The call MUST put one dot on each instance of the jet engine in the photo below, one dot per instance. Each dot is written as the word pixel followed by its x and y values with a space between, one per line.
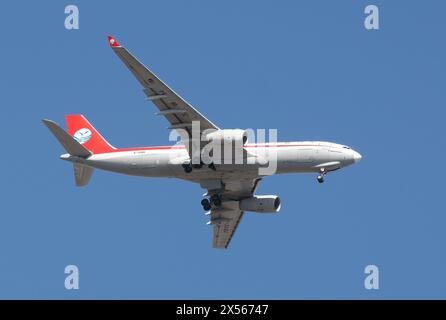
pixel 261 204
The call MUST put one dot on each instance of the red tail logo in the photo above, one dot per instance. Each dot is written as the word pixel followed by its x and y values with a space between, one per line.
pixel 84 133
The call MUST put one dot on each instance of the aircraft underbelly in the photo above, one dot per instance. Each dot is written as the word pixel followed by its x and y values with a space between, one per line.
pixel 150 165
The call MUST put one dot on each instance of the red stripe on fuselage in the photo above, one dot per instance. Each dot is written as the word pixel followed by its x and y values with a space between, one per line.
pixel 247 146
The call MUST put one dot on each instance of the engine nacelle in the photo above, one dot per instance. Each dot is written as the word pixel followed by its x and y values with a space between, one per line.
pixel 261 204
pixel 236 136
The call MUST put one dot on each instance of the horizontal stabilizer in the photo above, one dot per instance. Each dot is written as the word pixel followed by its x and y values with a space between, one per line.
pixel 68 142
pixel 82 174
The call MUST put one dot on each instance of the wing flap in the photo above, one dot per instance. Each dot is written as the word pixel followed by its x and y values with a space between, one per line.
pixel 225 223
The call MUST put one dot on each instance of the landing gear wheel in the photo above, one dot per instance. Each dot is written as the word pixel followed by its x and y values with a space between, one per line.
pixel 187 167
pixel 216 200
pixel 206 204
pixel 320 177
pixel 197 165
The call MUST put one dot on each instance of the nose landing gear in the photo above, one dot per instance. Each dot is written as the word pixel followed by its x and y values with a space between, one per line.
pixel 320 177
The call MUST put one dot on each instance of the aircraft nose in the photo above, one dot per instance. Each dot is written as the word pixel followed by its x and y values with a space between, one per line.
pixel 356 156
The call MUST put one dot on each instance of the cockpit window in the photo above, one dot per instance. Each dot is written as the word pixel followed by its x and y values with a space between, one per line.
pixel 345 147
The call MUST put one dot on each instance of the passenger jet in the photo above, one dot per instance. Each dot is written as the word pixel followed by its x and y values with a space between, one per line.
pixel 230 185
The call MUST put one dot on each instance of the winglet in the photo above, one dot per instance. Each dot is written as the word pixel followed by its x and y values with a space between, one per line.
pixel 112 41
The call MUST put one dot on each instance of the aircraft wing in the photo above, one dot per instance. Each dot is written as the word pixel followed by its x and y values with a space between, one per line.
pixel 226 218
pixel 175 109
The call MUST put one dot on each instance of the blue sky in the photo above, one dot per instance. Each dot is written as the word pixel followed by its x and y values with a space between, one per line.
pixel 307 68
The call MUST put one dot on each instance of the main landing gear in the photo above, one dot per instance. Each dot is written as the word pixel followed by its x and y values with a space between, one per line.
pixel 320 177
pixel 207 203
pixel 189 167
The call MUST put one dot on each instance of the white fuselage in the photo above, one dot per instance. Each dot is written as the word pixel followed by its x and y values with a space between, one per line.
pixel 282 157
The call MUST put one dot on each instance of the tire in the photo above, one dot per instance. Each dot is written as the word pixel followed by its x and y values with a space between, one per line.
pixel 197 166
pixel 187 168
pixel 206 204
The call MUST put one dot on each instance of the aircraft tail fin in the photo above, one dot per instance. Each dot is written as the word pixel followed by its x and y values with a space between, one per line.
pixel 82 130
pixel 72 146
pixel 82 174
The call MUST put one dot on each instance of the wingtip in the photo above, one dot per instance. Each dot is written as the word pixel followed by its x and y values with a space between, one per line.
pixel 49 123
pixel 113 42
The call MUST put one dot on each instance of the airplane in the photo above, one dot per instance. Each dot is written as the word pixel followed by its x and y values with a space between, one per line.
pixel 230 186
